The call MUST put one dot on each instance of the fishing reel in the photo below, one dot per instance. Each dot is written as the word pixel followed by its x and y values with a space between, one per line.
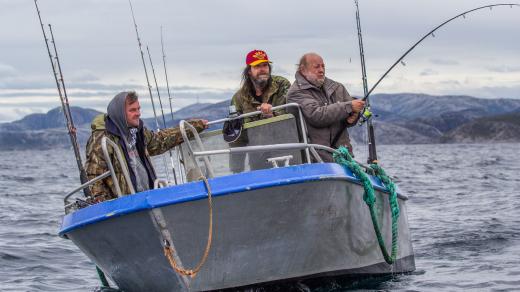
pixel 365 116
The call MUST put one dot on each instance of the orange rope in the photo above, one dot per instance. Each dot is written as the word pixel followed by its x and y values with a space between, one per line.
pixel 168 252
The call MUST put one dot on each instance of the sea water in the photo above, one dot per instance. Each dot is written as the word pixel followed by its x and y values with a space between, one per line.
pixel 464 215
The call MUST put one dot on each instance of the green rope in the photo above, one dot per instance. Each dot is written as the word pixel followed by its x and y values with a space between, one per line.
pixel 344 158
pixel 102 277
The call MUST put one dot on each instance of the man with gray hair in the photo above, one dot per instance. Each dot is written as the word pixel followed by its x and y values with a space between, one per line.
pixel 327 107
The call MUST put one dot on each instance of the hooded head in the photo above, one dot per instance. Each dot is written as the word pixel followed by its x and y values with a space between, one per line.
pixel 117 112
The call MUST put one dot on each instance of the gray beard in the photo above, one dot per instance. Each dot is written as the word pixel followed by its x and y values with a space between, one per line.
pixel 260 83
pixel 317 83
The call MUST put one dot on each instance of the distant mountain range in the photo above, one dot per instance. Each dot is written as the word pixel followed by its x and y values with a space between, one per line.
pixel 401 119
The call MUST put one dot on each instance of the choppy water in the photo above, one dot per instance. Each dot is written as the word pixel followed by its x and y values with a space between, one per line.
pixel 464 213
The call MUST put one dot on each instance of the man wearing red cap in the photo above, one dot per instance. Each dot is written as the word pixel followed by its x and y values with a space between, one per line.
pixel 260 90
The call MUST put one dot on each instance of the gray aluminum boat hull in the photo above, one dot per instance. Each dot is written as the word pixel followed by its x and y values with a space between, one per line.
pixel 308 229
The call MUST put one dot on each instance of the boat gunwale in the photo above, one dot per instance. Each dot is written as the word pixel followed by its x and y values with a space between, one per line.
pixel 223 185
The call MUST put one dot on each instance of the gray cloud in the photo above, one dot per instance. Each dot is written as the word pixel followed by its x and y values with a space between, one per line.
pixel 446 62
pixel 205 48
pixel 428 72
pixel 84 76
pixel 450 82
pixel 6 71
pixel 504 69
pixel 502 91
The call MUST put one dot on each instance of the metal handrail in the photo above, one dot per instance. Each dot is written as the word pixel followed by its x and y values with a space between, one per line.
pixel 182 125
pixel 81 187
pixel 160 183
pixel 260 148
pixel 287 105
pixel 121 161
pixel 207 163
pixel 284 146
pixel 105 141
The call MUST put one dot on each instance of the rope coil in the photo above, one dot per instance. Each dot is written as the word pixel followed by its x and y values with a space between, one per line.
pixel 168 251
pixel 343 157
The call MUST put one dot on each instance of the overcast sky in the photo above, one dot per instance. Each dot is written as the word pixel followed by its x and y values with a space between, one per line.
pixel 207 40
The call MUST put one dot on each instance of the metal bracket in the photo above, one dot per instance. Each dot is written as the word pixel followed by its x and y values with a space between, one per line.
pixel 285 159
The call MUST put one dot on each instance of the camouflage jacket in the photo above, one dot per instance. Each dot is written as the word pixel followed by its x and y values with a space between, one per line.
pixel 244 102
pixel 149 142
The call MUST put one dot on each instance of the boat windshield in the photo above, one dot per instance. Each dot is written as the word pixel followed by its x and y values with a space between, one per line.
pixel 223 160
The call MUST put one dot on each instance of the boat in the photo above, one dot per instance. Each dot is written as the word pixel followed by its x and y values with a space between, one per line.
pixel 284 217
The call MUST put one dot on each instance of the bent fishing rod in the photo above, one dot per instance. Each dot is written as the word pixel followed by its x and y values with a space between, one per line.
pixel 431 33
pixel 62 92
pixel 366 113
pixel 147 80
pixel 162 111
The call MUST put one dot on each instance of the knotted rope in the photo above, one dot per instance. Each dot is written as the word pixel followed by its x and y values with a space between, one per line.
pixel 344 158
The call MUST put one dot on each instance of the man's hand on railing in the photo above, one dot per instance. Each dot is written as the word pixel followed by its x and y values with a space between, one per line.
pixel 266 109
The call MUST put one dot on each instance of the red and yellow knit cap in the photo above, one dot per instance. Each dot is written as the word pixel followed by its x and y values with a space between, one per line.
pixel 256 57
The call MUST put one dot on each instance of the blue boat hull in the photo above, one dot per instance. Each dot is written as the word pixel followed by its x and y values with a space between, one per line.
pixel 270 225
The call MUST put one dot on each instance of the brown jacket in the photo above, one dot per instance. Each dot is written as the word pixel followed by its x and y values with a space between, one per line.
pixel 325 111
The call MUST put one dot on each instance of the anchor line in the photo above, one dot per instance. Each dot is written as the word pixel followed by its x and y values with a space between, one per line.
pixel 170 98
pixel 147 79
pixel 62 92
pixel 430 33
pixel 162 112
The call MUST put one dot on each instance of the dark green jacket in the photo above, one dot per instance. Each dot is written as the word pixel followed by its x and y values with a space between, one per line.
pixel 275 95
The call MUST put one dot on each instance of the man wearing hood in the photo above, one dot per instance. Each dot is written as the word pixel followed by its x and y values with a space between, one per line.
pixel 326 105
pixel 122 125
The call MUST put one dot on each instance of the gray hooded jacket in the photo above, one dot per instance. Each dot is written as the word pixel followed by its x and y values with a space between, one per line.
pixel 117 114
pixel 325 110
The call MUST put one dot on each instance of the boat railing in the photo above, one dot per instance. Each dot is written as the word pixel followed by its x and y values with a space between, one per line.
pixel 105 143
pixel 309 150
pixel 69 206
pixel 204 155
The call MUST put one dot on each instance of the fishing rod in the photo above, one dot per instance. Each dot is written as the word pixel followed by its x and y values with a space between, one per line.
pixel 372 153
pixel 170 99
pixel 463 14
pixel 144 66
pixel 147 79
pixel 156 86
pixel 162 112
pixel 62 92
pixel 166 74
